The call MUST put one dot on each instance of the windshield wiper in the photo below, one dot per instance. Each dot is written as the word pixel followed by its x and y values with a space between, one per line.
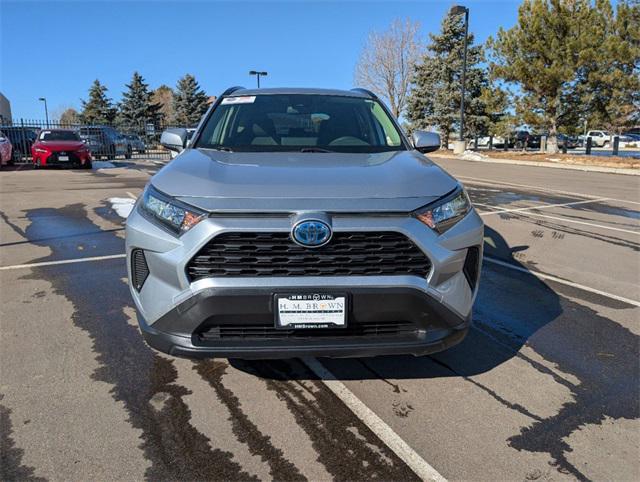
pixel 314 149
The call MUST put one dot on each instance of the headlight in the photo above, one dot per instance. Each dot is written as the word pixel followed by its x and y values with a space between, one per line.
pixel 40 151
pixel 170 213
pixel 445 212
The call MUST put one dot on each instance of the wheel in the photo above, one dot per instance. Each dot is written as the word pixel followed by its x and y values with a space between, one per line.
pixel 38 164
pixel 87 165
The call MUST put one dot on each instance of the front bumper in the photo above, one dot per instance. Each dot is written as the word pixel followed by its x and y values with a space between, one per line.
pixel 186 318
pixel 186 330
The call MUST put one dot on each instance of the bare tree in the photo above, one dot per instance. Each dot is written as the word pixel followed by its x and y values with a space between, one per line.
pixel 387 60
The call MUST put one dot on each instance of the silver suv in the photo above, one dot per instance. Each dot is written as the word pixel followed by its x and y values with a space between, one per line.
pixel 302 222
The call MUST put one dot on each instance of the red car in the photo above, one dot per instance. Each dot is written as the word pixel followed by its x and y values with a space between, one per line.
pixel 60 147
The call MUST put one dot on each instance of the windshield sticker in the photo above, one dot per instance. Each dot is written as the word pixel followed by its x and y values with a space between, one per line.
pixel 246 99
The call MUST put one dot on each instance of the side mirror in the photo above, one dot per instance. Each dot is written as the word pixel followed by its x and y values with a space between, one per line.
pixel 426 141
pixel 174 139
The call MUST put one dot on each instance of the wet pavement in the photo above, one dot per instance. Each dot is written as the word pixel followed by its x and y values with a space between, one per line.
pixel 545 386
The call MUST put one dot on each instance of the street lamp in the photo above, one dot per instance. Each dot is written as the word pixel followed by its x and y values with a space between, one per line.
pixel 257 74
pixel 459 10
pixel 46 111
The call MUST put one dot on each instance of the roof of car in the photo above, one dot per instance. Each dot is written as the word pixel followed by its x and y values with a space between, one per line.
pixel 300 90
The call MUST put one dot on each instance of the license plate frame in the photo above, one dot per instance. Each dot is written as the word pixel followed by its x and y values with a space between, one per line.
pixel 63 158
pixel 322 318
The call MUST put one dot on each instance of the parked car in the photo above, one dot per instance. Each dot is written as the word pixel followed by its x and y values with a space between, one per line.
pixel 105 141
pixel 486 140
pixel 599 138
pixel 60 147
pixel 333 235
pixel 136 144
pixel 21 139
pixel 526 140
pixel 6 149
pixel 570 141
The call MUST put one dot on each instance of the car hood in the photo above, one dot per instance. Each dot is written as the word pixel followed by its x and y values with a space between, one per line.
pixel 60 145
pixel 399 181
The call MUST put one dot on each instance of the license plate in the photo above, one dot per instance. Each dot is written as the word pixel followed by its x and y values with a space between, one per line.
pixel 63 158
pixel 316 310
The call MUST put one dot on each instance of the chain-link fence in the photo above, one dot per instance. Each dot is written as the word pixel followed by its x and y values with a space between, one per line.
pixel 107 142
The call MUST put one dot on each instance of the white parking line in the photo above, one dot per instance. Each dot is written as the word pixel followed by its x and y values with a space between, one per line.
pixel 493 182
pixel 385 433
pixel 560 280
pixel 64 261
pixel 498 210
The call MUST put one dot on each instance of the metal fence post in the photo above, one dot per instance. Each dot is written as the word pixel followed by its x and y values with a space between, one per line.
pixel 491 142
pixel 616 145
pixel 587 149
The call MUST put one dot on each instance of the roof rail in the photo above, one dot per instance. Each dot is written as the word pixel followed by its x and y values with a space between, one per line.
pixel 365 91
pixel 231 90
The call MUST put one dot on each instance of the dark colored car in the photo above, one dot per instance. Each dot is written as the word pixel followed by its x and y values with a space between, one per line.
pixel 526 140
pixel 136 144
pixel 570 142
pixel 60 147
pixel 105 141
pixel 21 138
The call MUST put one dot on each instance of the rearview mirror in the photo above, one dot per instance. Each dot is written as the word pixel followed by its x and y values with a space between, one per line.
pixel 174 139
pixel 426 141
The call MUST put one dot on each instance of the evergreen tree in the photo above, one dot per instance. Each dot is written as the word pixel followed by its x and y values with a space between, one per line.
pixel 137 107
pixel 435 96
pixel 541 55
pixel 608 77
pixel 189 101
pixel 99 108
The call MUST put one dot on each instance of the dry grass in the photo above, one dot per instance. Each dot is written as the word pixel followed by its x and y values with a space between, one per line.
pixel 559 158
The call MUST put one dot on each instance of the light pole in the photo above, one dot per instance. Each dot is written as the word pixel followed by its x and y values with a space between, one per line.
pixel 257 74
pixel 458 10
pixel 46 111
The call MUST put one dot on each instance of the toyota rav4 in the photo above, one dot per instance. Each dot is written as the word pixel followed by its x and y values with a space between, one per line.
pixel 302 222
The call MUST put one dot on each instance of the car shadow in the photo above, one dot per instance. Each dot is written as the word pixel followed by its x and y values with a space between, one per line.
pixel 502 324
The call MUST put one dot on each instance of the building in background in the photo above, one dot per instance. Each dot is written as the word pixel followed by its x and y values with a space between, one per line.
pixel 5 110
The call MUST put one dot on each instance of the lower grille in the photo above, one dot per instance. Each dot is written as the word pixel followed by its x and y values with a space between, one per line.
pixel 268 331
pixel 471 268
pixel 139 269
pixel 275 254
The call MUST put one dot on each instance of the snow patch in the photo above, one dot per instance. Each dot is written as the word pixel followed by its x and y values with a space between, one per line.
pixel 122 205
pixel 472 156
pixel 102 165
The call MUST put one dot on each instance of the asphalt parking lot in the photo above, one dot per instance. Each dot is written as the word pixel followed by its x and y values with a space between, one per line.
pixel 545 387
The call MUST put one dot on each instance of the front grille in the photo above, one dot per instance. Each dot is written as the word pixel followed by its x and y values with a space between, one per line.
pixel 73 158
pixel 264 331
pixel 275 254
pixel 139 268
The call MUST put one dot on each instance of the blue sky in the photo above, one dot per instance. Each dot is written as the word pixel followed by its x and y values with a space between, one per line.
pixel 56 49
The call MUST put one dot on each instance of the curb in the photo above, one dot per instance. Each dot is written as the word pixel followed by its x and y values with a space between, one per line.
pixel 572 167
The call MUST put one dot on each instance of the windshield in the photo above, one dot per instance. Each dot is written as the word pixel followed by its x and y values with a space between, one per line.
pixel 300 122
pixel 59 136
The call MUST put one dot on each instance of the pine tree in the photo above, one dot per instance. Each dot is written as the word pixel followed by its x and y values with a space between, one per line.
pixel 137 107
pixel 189 102
pixel 99 108
pixel 435 95
pixel 541 56
pixel 608 78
